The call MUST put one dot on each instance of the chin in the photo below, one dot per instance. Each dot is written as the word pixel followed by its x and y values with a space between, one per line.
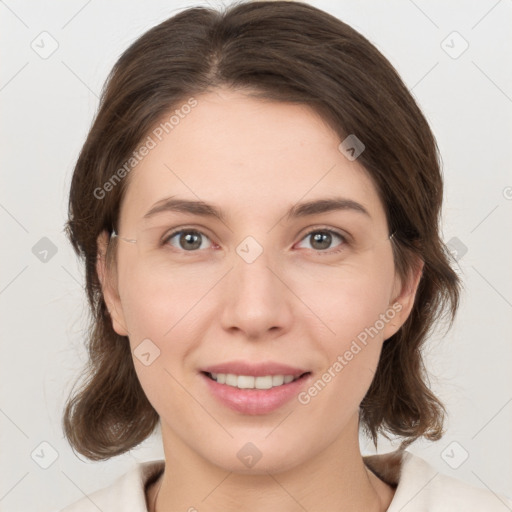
pixel 257 458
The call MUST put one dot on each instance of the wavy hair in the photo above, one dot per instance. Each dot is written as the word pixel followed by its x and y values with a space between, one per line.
pixel 282 51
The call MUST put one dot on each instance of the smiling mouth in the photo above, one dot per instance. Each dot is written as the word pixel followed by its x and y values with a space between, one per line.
pixel 253 382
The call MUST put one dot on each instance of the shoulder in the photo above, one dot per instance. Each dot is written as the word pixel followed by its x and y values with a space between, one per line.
pixel 420 487
pixel 127 492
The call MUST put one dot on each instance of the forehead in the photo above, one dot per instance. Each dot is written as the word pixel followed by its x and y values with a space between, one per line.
pixel 252 157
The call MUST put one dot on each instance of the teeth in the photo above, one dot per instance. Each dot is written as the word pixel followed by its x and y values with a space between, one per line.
pixel 251 382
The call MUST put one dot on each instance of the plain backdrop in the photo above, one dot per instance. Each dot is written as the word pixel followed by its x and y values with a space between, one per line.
pixel 455 58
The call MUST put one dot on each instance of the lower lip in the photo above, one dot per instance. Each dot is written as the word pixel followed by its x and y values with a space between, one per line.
pixel 255 401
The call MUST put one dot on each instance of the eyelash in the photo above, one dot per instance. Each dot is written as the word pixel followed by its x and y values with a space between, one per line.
pixel 343 238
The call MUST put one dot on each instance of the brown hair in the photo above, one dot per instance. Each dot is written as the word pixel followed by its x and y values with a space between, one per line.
pixel 283 51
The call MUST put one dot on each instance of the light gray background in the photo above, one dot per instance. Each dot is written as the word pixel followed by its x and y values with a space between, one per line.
pixel 47 107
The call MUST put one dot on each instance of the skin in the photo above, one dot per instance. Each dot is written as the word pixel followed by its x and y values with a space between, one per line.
pixel 255 159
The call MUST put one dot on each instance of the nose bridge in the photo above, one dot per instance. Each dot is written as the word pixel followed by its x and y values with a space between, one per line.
pixel 257 299
pixel 252 268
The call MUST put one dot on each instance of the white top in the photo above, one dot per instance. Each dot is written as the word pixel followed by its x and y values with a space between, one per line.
pixel 419 488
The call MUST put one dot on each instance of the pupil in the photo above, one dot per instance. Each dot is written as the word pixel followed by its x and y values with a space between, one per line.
pixel 325 237
pixel 189 238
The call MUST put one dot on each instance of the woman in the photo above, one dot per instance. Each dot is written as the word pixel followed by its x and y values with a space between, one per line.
pixel 258 206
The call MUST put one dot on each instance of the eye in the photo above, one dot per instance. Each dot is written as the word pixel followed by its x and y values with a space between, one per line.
pixel 321 239
pixel 189 240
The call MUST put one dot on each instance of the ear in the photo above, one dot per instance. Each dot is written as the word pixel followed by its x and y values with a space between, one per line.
pixel 403 297
pixel 109 286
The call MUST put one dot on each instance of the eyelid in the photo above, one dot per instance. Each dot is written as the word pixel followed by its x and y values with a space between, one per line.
pixel 337 231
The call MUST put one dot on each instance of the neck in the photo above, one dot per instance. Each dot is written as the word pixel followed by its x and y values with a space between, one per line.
pixel 334 480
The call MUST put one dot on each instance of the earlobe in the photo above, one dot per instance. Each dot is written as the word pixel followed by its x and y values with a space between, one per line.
pixel 108 286
pixel 403 302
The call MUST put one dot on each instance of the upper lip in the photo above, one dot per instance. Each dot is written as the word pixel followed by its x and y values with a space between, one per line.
pixel 255 369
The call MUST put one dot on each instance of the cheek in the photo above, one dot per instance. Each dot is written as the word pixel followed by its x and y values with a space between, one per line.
pixel 354 309
pixel 158 321
pixel 162 316
pixel 349 298
pixel 157 303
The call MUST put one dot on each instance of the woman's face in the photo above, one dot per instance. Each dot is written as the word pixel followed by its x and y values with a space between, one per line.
pixel 313 290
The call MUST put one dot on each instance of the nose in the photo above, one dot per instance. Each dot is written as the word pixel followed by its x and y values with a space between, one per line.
pixel 258 302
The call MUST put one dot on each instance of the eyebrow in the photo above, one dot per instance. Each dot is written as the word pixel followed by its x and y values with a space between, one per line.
pixel 299 210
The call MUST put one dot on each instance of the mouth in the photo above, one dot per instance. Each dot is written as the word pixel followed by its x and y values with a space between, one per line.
pixel 253 382
pixel 254 395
